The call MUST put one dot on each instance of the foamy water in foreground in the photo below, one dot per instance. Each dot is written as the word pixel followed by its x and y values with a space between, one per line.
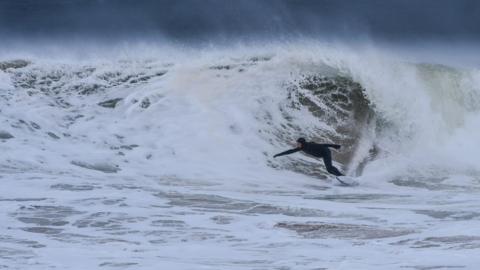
pixel 164 161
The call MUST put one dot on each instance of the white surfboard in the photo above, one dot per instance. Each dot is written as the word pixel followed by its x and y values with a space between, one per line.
pixel 347 181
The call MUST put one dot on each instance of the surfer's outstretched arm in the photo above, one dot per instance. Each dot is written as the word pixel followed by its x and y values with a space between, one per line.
pixel 291 151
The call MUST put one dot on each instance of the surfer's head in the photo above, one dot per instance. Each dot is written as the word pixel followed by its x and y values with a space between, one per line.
pixel 301 142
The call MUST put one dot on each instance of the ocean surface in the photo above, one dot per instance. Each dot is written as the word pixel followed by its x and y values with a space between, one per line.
pixel 160 157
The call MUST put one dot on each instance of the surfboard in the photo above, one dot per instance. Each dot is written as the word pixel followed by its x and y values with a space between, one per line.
pixel 347 181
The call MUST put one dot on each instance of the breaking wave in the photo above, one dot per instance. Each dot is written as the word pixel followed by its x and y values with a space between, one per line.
pixel 226 113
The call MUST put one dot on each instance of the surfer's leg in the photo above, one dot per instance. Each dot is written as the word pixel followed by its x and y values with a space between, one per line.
pixel 327 159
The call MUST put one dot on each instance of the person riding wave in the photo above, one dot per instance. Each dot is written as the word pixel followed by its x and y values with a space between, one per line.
pixel 316 150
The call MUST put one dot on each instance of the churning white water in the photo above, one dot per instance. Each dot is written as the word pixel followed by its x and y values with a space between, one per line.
pixel 162 159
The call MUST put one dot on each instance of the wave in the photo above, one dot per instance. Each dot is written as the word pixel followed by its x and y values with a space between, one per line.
pixel 226 112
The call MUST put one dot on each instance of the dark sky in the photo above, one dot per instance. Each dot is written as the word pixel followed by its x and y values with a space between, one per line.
pixel 207 20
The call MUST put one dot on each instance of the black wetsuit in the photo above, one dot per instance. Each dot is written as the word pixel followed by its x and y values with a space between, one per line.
pixel 317 150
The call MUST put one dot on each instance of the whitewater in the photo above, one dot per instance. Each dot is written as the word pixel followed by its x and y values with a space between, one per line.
pixel 150 157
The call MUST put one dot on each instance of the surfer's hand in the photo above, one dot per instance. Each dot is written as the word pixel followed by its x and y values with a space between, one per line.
pixel 337 146
pixel 274 156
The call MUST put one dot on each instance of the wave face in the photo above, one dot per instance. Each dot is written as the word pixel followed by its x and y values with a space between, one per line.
pixel 242 107
pixel 168 149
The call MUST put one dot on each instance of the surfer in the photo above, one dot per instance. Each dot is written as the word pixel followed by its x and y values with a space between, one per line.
pixel 316 150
